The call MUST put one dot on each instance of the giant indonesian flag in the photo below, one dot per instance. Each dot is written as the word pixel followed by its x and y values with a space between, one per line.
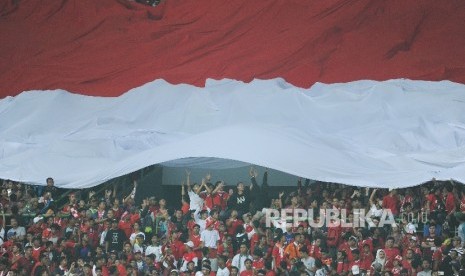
pixel 366 92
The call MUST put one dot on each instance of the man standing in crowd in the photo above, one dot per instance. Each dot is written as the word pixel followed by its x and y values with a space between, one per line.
pixel 114 238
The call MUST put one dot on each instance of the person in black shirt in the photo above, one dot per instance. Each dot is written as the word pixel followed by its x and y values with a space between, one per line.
pixel 240 200
pixel 115 238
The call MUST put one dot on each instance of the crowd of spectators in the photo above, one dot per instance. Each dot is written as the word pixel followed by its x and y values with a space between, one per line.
pixel 220 230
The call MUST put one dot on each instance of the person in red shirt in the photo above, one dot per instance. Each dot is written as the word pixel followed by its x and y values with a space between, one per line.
pixel 248 268
pixel 397 266
pixel 226 248
pixel 188 256
pixel 351 246
pixel 233 222
pixel 366 258
pixel 314 249
pixel 42 265
pixel 258 261
pixel 334 234
pixel 449 199
pixel 462 201
pixel 412 244
pixel 390 251
pixel 278 251
pixel 342 266
pixel 355 264
pixel 391 202
pixel 407 262
pixel 432 199
pixel 195 238
pixel 220 197
pixel 438 254
pixel 214 219
pixel 177 246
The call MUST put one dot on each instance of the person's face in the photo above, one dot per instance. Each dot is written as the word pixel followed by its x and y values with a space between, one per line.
pixel 352 242
pixel 50 182
pixel 243 249
pixel 191 266
pixel 196 230
pixel 294 200
pixel 425 265
pixel 127 247
pixel 28 251
pixel 154 239
pixel 14 223
pixel 248 265
pixel 351 217
pixel 162 202
pixel 409 254
pixel 382 255
pixel 178 214
pixel 101 205
pixel 45 260
pixel 234 271
pixel 110 214
pixel 389 243
pixel 432 230
pixel 136 226
pixel 240 187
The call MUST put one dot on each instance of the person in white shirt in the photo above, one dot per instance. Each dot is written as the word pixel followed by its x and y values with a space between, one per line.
pixel 239 259
pixel 210 237
pixel 426 265
pixel 154 249
pixel 136 232
pixel 308 261
pixel 222 269
pixel 201 219
pixel 196 202
pixel 204 272
pixel 16 232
